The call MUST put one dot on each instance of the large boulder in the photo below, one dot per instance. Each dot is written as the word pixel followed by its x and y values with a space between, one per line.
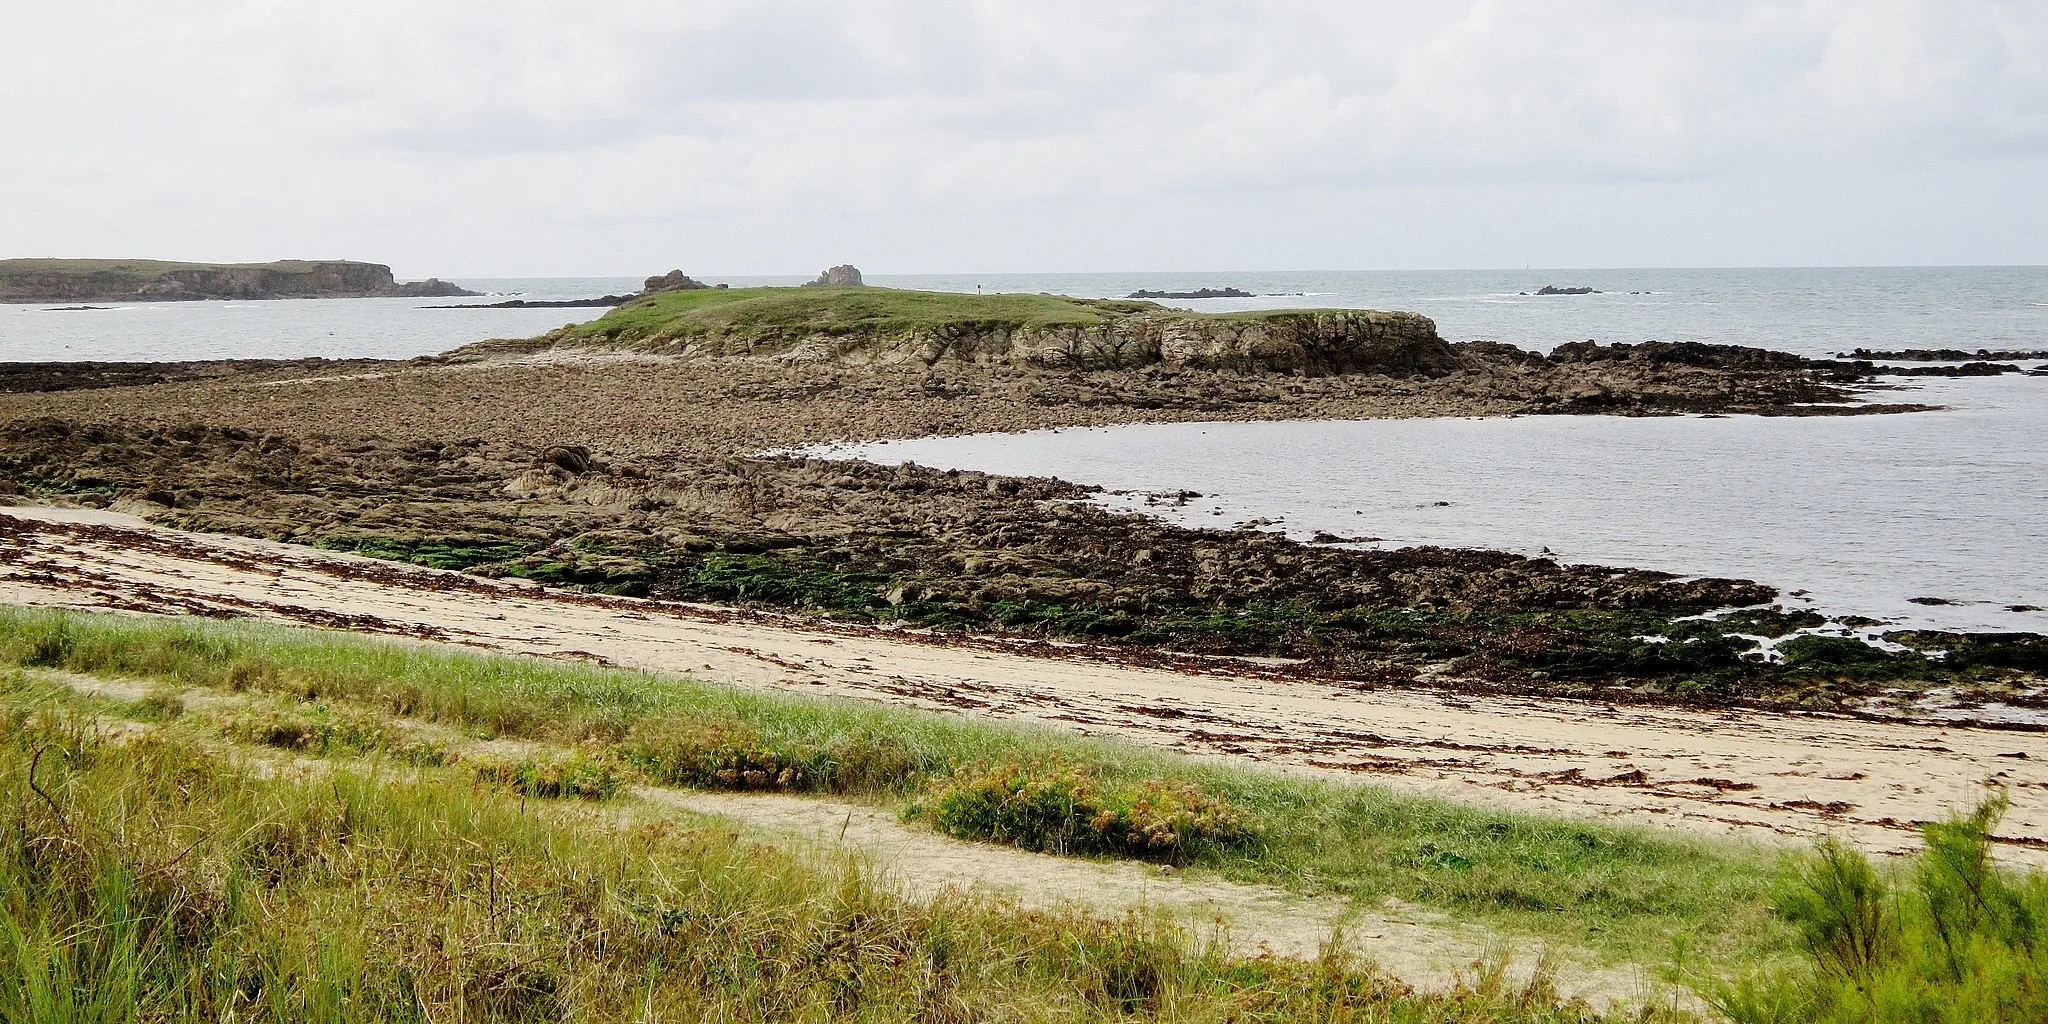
pixel 673 281
pixel 845 275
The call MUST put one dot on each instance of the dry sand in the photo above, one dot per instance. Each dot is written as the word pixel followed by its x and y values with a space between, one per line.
pixel 1739 772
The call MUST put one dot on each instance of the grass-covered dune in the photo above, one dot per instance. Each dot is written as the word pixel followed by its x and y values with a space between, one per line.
pixel 868 324
pixel 214 821
pixel 89 280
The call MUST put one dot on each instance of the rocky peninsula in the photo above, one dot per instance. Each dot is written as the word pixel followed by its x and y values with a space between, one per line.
pixel 65 280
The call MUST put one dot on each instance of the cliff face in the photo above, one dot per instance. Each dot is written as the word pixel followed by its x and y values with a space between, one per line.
pixel 1316 343
pixel 151 281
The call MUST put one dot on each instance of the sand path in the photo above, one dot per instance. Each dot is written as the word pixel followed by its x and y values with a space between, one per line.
pixel 1742 772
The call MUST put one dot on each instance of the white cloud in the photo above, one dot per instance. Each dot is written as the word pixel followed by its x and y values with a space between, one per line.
pixel 532 128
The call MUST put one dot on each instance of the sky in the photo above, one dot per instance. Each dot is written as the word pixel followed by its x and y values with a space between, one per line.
pixel 612 137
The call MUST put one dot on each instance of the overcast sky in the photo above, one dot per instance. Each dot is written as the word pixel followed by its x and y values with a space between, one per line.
pixel 516 138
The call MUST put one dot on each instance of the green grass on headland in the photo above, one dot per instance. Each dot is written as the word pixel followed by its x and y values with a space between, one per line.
pixel 766 314
pixel 750 312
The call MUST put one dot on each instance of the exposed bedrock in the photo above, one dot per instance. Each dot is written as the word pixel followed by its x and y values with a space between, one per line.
pixel 1314 344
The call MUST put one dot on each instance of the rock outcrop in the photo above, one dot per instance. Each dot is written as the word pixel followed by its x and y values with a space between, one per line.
pixel 1310 343
pixel 36 280
pixel 845 275
pixel 673 281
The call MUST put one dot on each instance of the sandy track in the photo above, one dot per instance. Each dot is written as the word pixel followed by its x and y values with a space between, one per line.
pixel 1742 772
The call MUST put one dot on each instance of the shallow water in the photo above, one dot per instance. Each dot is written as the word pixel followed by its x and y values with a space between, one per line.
pixel 1863 513
pixel 288 328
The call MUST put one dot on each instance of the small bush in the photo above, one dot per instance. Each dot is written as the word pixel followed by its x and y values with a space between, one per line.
pixel 1956 940
pixel 315 730
pixel 730 755
pixel 159 705
pixel 1059 808
pixel 580 774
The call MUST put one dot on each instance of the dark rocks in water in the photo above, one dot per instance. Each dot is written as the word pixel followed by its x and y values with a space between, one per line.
pixel 1199 293
pixel 673 281
pixel 1551 289
pixel 1683 353
pixel 845 275
pixel 73 309
pixel 1965 370
pixel 1326 537
pixel 431 288
pixel 1946 355
pixel 600 301
pixel 1930 601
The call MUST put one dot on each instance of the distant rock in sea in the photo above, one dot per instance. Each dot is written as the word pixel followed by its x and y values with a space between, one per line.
pixel 845 275
pixel 1199 293
pixel 1551 289
pixel 1944 355
pixel 87 280
pixel 673 281
pixel 602 301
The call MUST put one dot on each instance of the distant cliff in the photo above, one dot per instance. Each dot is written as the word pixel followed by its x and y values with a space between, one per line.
pixel 37 280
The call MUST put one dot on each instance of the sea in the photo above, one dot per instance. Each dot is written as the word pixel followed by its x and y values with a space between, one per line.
pixel 1936 519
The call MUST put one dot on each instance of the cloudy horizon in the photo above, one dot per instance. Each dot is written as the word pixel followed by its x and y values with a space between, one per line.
pixel 519 139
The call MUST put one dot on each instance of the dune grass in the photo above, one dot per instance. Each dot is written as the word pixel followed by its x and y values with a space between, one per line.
pixel 148 874
pixel 143 877
pixel 1629 893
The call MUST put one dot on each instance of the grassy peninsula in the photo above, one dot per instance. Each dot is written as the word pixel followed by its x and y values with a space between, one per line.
pixel 89 280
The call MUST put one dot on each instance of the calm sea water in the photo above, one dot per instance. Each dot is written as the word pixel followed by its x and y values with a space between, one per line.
pixel 289 328
pixel 1809 311
pixel 1862 513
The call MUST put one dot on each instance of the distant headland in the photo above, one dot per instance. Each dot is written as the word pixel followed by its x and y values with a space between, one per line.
pixel 59 280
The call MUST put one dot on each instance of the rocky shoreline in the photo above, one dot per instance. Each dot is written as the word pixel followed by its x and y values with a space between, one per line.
pixel 639 471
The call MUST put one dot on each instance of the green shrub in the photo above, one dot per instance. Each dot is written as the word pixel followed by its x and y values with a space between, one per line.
pixel 581 774
pixel 732 755
pixel 1059 808
pixel 1956 940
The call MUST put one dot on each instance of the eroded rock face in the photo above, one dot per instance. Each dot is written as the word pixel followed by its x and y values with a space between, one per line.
pixel 845 275
pixel 1310 343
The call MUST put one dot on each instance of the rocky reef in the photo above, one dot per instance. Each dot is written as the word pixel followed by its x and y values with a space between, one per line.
pixel 38 280
pixel 1199 293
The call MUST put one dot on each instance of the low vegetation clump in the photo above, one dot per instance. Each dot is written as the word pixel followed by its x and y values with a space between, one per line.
pixel 1061 808
pixel 733 755
pixel 578 774
pixel 315 729
pixel 1952 939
